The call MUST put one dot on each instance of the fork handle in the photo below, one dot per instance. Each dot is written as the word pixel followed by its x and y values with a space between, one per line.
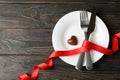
pixel 89 65
pixel 80 61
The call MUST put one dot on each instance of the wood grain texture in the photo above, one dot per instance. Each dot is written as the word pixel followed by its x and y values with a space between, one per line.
pixel 25 38
pixel 45 16
pixel 12 66
pixel 57 1
pixel 14 41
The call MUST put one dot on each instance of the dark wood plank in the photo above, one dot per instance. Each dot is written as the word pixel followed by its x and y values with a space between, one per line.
pixel 26 34
pixel 12 66
pixel 28 41
pixel 57 1
pixel 35 16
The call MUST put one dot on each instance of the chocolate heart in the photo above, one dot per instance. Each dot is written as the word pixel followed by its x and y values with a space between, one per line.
pixel 73 40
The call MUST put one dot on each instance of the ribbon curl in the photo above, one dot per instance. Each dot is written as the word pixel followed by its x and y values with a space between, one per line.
pixel 86 46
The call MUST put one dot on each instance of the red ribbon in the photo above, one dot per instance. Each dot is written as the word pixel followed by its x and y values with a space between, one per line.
pixel 87 46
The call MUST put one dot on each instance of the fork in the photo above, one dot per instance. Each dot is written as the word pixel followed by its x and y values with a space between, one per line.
pixel 84 24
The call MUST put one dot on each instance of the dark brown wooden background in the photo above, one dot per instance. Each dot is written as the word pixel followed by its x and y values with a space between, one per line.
pixel 25 38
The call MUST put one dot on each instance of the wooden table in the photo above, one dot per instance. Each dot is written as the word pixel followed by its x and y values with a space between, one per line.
pixel 25 38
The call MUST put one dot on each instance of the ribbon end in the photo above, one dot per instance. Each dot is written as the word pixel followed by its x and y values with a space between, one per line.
pixel 24 76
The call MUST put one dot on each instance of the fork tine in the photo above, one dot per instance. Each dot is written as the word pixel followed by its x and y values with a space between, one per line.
pixel 84 16
pixel 87 20
pixel 81 17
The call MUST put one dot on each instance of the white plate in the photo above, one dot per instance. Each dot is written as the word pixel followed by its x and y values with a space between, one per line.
pixel 69 25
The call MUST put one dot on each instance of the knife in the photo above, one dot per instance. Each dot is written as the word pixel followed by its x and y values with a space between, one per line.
pixel 91 28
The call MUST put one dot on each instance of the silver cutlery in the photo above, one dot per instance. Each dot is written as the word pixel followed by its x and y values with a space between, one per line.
pixel 90 25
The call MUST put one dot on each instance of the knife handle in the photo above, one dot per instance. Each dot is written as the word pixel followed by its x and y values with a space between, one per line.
pixel 89 65
pixel 80 61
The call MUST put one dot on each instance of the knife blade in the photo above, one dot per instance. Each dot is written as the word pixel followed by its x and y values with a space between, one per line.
pixel 91 28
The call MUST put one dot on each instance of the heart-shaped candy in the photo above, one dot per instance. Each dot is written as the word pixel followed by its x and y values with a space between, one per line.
pixel 73 40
